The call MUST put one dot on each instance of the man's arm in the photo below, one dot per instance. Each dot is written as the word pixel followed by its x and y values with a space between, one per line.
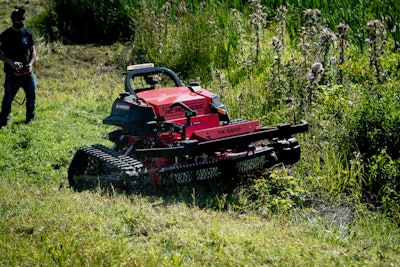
pixel 32 57
pixel 15 65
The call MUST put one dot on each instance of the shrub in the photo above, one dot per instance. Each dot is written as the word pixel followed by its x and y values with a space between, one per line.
pixel 374 131
pixel 374 125
pixel 278 193
pixel 100 21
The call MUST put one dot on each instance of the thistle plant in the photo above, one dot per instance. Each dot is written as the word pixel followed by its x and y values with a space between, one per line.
pixel 291 77
pixel 278 44
pixel 308 34
pixel 311 20
pixel 376 42
pixel 240 31
pixel 324 52
pixel 258 20
pixel 343 32
pixel 281 20
pixel 326 39
pixel 220 78
pixel 304 46
pixel 182 7
pixel 314 78
pixel 167 13
pixel 240 99
pixel 276 69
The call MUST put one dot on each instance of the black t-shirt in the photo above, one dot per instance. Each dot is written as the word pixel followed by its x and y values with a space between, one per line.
pixel 15 45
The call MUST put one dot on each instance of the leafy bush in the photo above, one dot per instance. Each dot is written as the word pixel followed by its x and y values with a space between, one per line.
pixel 374 124
pixel 373 130
pixel 382 189
pixel 280 192
pixel 100 21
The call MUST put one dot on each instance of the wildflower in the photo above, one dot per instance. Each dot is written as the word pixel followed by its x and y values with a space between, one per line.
pixel 343 29
pixel 327 35
pixel 167 7
pixel 317 68
pixel 312 15
pixel 218 73
pixel 282 10
pixel 182 7
pixel 311 77
pixel 276 44
pixel 377 25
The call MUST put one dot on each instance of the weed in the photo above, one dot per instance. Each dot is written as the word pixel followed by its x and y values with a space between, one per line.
pixel 343 32
pixel 376 31
pixel 258 22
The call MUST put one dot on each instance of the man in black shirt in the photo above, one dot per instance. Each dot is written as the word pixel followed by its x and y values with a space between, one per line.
pixel 17 51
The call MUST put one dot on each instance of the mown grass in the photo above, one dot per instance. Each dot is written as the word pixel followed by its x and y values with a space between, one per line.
pixel 45 225
pixel 307 215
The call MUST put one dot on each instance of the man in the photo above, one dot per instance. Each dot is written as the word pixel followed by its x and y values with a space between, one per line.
pixel 17 51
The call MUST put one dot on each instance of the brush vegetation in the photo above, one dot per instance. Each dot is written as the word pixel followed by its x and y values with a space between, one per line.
pixel 335 65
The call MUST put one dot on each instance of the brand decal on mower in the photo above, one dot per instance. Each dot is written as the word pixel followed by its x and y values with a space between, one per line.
pixel 229 130
pixel 178 110
pixel 122 107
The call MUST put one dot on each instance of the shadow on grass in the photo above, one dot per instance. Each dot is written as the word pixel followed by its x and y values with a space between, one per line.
pixel 217 194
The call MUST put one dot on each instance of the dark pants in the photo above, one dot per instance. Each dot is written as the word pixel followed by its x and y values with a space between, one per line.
pixel 12 84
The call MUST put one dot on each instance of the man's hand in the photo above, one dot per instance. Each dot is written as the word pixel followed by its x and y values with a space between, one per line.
pixel 29 67
pixel 17 65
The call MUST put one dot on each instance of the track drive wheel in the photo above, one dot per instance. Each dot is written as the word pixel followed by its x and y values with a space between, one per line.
pixel 289 151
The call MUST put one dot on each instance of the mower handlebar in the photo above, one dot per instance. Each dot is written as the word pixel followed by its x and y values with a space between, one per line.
pixel 148 71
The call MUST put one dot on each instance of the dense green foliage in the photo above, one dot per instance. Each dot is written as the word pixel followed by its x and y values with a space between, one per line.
pixel 110 20
pixel 104 21
pixel 338 206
